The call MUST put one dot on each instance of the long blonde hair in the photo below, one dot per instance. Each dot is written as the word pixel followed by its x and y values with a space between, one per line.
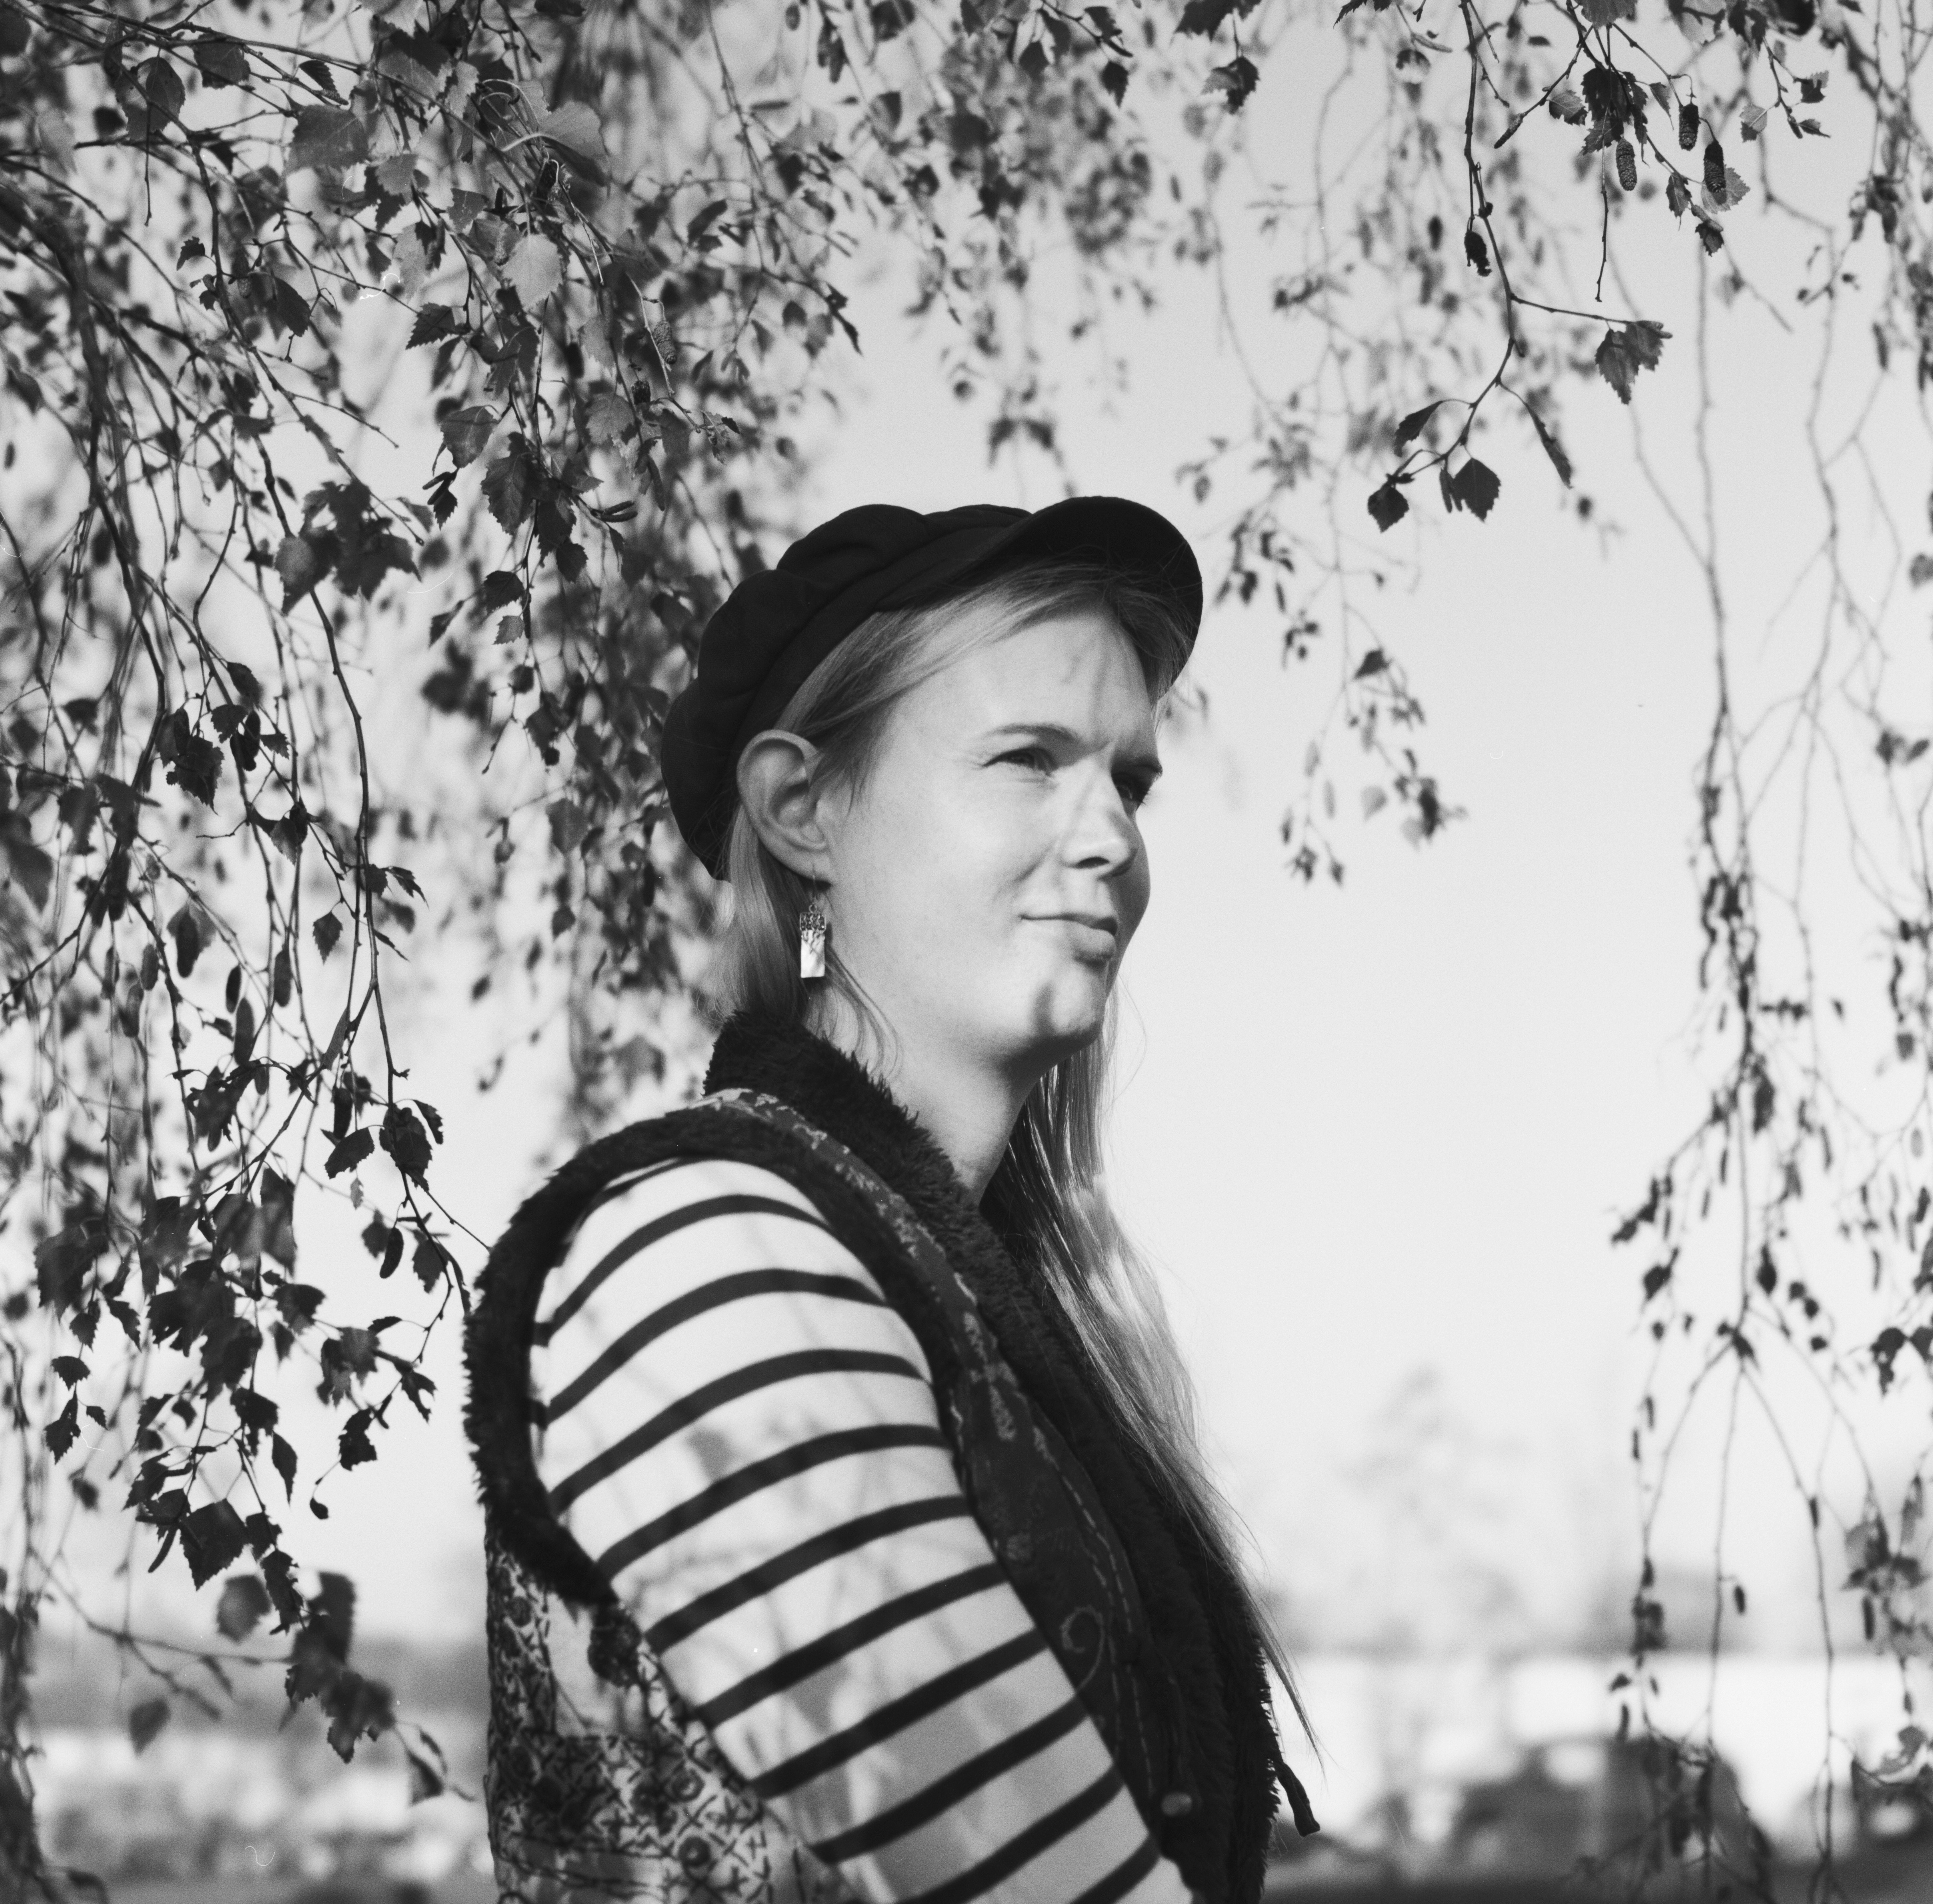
pixel 1047 1195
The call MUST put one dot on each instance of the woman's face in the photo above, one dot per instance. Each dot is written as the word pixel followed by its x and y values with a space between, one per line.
pixel 985 878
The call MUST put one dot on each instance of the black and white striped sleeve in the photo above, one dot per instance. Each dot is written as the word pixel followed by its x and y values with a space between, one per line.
pixel 742 1431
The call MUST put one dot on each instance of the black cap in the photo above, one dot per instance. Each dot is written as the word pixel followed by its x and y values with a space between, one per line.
pixel 776 627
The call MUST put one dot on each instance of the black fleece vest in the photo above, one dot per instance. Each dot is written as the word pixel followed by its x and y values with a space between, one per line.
pixel 1154 1634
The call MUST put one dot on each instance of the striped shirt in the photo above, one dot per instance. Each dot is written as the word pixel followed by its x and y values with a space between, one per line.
pixel 742 1431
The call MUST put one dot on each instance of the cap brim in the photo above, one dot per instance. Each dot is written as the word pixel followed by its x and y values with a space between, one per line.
pixel 1109 529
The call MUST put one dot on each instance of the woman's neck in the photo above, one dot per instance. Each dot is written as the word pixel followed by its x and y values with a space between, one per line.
pixel 966 1105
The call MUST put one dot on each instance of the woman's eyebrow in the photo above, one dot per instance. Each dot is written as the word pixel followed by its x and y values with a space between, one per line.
pixel 1143 759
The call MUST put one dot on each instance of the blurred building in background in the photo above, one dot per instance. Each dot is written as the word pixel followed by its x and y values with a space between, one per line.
pixel 1474 1780
pixel 258 1800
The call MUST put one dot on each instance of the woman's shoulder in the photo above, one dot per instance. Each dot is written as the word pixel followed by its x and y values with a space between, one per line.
pixel 717 1146
pixel 700 1177
pixel 680 1192
pixel 713 1215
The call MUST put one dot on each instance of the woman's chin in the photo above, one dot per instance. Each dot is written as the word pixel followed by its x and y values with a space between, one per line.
pixel 1073 1009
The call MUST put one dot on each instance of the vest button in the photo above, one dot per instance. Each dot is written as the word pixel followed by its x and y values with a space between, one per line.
pixel 1178 1804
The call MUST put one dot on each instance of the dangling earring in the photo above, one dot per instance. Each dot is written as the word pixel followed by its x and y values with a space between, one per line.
pixel 812 931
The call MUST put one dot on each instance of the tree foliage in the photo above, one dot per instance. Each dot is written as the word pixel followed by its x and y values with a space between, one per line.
pixel 390 394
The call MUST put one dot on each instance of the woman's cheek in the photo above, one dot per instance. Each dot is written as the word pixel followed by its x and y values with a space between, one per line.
pixel 1136 889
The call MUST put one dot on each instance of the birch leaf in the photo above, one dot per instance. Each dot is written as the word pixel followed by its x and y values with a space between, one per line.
pixel 534 269
pixel 574 126
pixel 54 132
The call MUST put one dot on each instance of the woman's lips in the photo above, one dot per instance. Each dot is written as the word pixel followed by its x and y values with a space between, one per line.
pixel 1093 936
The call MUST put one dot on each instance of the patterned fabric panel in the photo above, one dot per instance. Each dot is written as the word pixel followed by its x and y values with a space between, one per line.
pixel 648 1810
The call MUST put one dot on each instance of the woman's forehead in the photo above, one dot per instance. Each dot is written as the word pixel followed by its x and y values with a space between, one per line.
pixel 1074 669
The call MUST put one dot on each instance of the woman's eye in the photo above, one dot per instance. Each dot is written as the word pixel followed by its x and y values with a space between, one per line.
pixel 1133 788
pixel 1032 757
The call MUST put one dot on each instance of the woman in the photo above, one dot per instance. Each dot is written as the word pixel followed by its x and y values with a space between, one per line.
pixel 837 1403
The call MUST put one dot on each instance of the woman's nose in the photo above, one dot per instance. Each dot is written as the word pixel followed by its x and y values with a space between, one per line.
pixel 1106 838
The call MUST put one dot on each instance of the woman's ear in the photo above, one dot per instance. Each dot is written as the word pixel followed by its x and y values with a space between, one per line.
pixel 778 789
